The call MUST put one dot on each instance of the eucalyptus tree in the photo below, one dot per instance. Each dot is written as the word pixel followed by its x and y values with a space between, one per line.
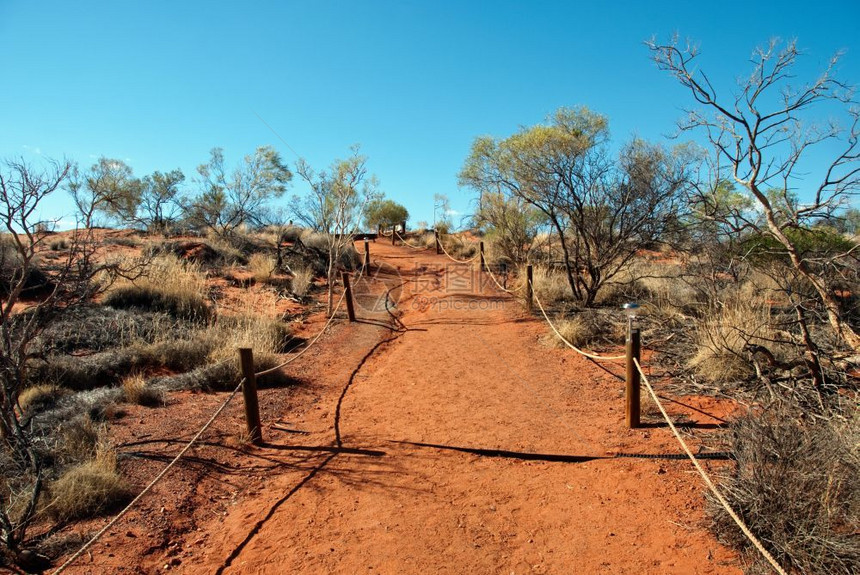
pixel 602 209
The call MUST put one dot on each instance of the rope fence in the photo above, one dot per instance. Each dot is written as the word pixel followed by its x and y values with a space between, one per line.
pixel 496 281
pixel 634 367
pixel 593 356
pixel 407 244
pixel 453 259
pixel 95 538
pixel 644 380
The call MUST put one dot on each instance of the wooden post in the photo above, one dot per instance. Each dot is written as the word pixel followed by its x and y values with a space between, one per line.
pixel 436 237
pixel 366 255
pixel 529 288
pixel 393 234
pixel 350 309
pixel 249 393
pixel 481 249
pixel 403 227
pixel 633 352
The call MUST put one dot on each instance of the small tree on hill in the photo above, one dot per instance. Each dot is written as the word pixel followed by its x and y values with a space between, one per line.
pixel 385 213
pixel 602 211
pixel 108 188
pixel 230 200
pixel 335 205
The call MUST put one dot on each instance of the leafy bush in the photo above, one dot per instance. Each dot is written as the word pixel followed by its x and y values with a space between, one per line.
pixel 821 241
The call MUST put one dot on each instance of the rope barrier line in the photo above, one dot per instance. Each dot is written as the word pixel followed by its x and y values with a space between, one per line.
pixel 308 346
pixel 407 244
pixel 746 531
pixel 493 277
pixel 453 259
pixel 570 345
pixel 151 484
pixel 94 539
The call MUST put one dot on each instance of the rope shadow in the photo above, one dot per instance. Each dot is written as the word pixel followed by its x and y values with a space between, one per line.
pixel 505 454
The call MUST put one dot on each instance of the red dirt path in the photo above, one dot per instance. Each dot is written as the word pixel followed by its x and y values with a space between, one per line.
pixel 460 445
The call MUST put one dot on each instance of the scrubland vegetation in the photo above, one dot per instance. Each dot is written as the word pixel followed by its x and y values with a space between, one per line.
pixel 748 291
pixel 93 322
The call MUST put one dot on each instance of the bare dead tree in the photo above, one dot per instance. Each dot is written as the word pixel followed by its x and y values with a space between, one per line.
pixel 33 294
pixel 762 134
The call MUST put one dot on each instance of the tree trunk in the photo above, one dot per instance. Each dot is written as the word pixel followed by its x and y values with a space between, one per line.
pixel 831 306
pixel 571 279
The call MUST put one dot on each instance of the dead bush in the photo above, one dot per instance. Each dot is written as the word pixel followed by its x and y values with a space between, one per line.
pixel 796 484
pixel 208 253
pixel 94 328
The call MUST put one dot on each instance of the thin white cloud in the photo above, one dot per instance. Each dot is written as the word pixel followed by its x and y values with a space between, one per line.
pixel 33 149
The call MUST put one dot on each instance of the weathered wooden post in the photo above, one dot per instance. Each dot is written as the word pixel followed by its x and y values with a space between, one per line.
pixel 249 393
pixel 393 234
pixel 481 250
pixel 529 288
pixel 366 255
pixel 633 353
pixel 403 227
pixel 436 237
pixel 350 308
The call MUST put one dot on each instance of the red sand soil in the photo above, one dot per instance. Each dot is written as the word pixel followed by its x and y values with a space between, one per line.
pixel 458 445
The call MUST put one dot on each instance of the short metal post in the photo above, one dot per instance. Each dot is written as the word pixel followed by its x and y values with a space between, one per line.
pixel 633 401
pixel 366 255
pixel 350 309
pixel 529 288
pixel 436 237
pixel 249 393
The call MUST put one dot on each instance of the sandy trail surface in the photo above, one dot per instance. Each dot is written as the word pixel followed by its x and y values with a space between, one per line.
pixel 455 442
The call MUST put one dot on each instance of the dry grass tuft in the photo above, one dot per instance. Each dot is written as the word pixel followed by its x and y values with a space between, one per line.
pixel 136 391
pixel 303 280
pixel 262 267
pixel 580 330
pixel 89 489
pixel 169 285
pixel 40 397
pixel 550 286
pixel 723 335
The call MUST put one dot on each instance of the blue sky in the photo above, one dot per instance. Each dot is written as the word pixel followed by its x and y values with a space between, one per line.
pixel 160 83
